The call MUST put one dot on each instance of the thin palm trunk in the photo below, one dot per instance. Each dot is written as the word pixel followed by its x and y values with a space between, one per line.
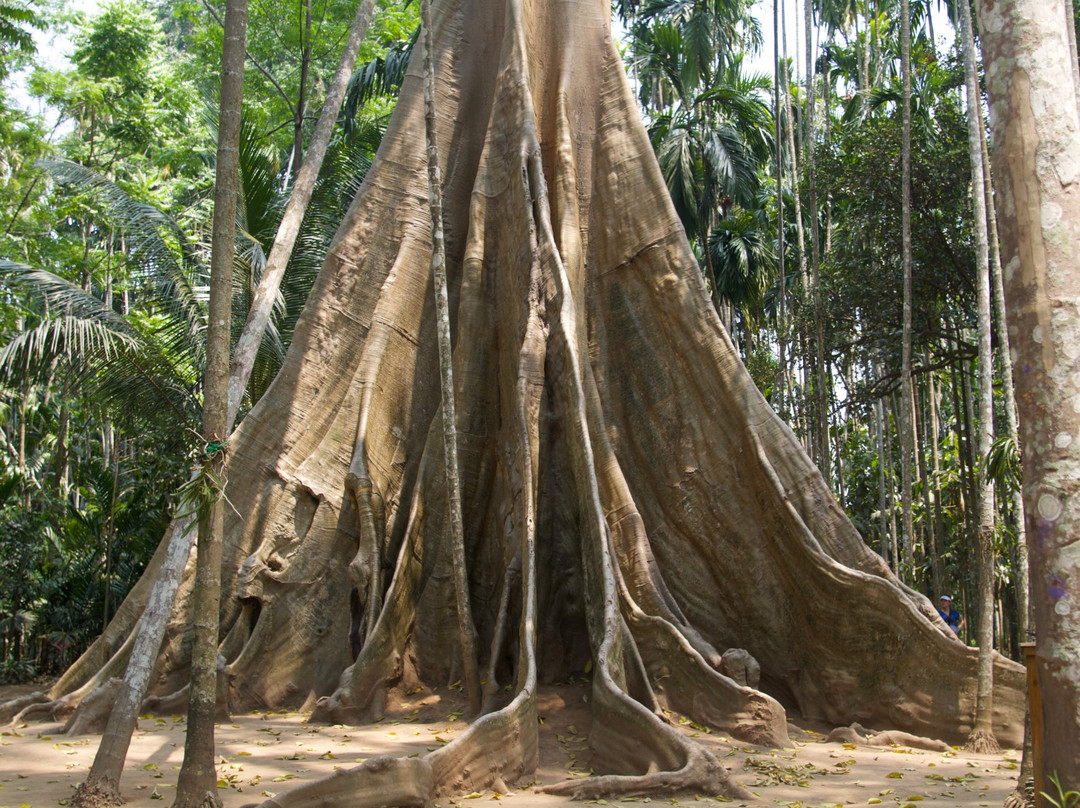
pixel 1012 422
pixel 982 738
pixel 466 630
pixel 905 570
pixel 197 784
pixel 781 324
pixel 937 538
pixel 821 390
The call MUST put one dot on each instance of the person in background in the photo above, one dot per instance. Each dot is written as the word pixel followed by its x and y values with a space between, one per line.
pixel 952 617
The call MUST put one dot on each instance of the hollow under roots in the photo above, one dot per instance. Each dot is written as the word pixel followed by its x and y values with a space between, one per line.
pixel 633 506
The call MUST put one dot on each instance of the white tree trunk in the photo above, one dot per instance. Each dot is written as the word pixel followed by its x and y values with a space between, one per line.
pixel 1036 143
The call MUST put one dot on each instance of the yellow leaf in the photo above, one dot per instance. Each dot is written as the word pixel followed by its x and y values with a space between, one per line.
pixel 150 767
pixel 873 801
pixel 849 746
pixel 474 795
pixel 915 798
pixel 588 669
pixel 243 754
pixel 894 775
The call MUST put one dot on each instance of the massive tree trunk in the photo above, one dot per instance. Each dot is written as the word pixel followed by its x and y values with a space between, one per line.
pixel 630 499
pixel 1035 124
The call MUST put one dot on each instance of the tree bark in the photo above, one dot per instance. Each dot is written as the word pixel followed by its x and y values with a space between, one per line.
pixel 982 738
pixel 610 438
pixel 778 145
pixel 466 629
pixel 907 449
pixel 1036 137
pixel 197 783
pixel 262 303
pixel 1021 583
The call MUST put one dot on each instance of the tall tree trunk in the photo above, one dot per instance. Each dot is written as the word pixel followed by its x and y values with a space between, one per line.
pixel 821 388
pixel 982 737
pixel 1036 136
pixel 1025 626
pixel 466 629
pixel 778 141
pixel 937 560
pixel 883 477
pixel 906 433
pixel 262 303
pixel 197 783
pixel 104 777
pixel 297 157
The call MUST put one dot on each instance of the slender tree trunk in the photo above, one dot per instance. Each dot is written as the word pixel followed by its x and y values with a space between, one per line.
pixel 821 389
pixel 1036 130
pixel 197 784
pixel 982 738
pixel 937 562
pixel 906 434
pixel 104 777
pixel 297 157
pixel 263 301
pixel 781 324
pixel 1012 422
pixel 466 630
pixel 1070 30
pixel 883 500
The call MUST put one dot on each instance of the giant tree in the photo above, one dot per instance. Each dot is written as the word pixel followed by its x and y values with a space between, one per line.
pixel 1035 125
pixel 633 506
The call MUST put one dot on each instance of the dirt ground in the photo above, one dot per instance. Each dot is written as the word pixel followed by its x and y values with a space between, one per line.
pixel 260 755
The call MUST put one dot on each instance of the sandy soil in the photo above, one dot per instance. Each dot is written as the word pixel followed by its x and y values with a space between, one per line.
pixel 261 755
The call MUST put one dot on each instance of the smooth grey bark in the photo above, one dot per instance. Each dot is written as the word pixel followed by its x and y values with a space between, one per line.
pixel 466 628
pixel 781 324
pixel 821 385
pixel 1035 126
pixel 982 738
pixel 907 448
pixel 108 763
pixel 197 783
pixel 1021 580
pixel 104 779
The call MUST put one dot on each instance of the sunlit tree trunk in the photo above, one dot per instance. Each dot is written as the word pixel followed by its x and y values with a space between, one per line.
pixel 781 321
pixel 449 417
pixel 1012 421
pixel 906 433
pixel 982 738
pixel 197 783
pixel 1036 137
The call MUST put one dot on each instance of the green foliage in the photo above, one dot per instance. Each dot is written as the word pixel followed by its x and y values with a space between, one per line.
pixel 1062 798
pixel 103 283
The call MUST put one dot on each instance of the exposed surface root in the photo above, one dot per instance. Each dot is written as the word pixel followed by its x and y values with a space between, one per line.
pixel 97 795
pixel 1022 798
pixel 702 774
pixel 208 799
pixel 13 707
pixel 55 710
pixel 92 714
pixel 381 782
pixel 856 734
pixel 983 742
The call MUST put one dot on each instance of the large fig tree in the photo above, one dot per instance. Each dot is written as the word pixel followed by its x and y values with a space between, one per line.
pixel 630 499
